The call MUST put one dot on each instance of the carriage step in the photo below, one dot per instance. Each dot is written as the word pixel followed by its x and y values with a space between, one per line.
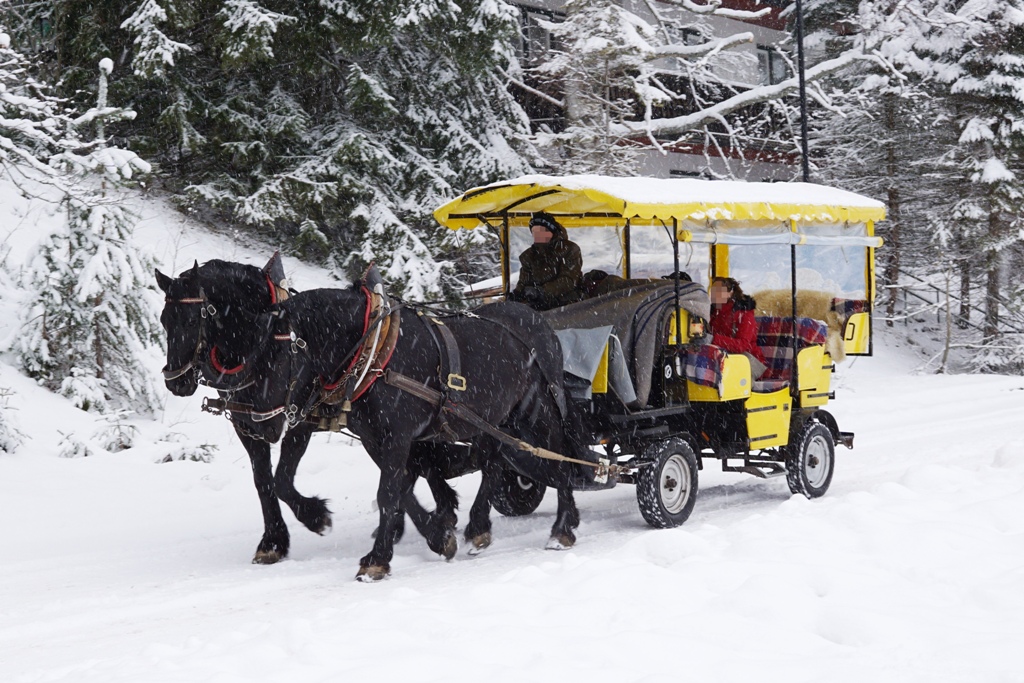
pixel 766 473
pixel 762 471
pixel 648 414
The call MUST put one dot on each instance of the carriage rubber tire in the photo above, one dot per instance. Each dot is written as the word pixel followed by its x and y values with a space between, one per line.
pixel 811 460
pixel 516 495
pixel 667 489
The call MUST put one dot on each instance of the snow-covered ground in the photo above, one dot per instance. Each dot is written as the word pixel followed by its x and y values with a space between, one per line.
pixel 118 569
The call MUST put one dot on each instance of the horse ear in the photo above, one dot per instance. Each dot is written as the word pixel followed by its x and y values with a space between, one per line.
pixel 163 282
pixel 195 268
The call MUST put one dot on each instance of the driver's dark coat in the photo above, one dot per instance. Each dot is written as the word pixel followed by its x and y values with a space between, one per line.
pixel 556 268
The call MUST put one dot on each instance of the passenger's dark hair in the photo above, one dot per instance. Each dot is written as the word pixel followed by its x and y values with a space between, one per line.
pixel 740 301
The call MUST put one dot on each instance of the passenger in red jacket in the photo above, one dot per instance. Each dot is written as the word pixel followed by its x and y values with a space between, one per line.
pixel 733 327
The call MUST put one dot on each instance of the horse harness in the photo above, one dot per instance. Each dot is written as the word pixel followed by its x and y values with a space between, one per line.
pixel 367 361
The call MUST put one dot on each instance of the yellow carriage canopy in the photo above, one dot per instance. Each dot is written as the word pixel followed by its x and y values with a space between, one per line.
pixel 711 211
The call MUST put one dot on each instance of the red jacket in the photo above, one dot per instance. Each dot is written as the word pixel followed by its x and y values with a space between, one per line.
pixel 735 330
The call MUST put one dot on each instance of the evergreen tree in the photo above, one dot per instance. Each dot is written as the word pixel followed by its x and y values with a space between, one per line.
pixel 984 73
pixel 88 322
pixel 31 118
pixel 10 436
pixel 887 130
pixel 352 116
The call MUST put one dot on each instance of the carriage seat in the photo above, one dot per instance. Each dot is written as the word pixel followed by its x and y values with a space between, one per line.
pixel 775 339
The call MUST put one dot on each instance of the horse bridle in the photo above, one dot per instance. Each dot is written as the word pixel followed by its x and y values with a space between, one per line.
pixel 207 310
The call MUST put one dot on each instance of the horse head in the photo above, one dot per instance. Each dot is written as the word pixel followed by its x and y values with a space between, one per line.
pixel 212 320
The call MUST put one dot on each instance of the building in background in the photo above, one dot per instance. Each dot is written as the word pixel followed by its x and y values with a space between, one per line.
pixel 764 61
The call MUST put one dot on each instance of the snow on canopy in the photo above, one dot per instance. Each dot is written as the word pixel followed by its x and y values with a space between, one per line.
pixel 659 198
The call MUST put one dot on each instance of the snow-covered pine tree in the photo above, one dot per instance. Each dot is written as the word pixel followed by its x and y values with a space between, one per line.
pixel 89 320
pixel 351 115
pixel 977 56
pixel 10 436
pixel 31 117
pixel 887 130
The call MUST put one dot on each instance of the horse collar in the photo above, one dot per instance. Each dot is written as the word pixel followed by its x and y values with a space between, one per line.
pixel 371 354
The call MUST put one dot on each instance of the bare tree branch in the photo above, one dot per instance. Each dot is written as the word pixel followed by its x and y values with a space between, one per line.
pixel 682 124
pixel 533 91
pixel 703 50
pixel 715 7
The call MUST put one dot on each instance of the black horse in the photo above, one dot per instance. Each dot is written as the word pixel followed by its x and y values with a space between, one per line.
pixel 216 327
pixel 512 364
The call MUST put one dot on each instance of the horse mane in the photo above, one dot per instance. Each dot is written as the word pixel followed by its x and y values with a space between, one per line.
pixel 241 283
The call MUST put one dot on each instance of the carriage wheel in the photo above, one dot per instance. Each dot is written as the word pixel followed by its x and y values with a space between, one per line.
pixel 515 495
pixel 667 489
pixel 810 460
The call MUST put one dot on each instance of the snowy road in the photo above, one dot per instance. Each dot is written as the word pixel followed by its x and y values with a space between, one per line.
pixel 910 569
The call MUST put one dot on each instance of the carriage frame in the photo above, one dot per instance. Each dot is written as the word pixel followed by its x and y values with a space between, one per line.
pixel 766 429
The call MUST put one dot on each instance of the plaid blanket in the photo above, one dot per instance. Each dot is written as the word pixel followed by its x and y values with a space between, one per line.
pixel 704 365
pixel 775 337
pixel 844 308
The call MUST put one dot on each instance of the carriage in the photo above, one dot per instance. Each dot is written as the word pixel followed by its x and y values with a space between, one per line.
pixel 658 398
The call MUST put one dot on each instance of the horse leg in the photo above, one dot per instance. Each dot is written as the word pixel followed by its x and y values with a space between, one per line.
pixel 566 519
pixel 273 546
pixel 311 511
pixel 478 531
pixel 440 537
pixel 395 486
pixel 446 500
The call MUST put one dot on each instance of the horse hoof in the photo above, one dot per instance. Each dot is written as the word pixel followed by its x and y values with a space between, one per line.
pixel 373 573
pixel 479 543
pixel 451 546
pixel 267 557
pixel 326 527
pixel 560 542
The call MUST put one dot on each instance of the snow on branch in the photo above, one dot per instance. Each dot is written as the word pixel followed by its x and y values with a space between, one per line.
pixel 715 7
pixel 707 49
pixel 252 29
pixel 155 51
pixel 682 124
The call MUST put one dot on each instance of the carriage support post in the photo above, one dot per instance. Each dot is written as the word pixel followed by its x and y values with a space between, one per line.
pixel 506 266
pixel 675 278
pixel 795 389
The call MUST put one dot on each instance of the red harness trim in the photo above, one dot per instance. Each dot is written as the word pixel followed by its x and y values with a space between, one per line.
pixel 220 368
pixel 355 357
pixel 273 289
pixel 376 375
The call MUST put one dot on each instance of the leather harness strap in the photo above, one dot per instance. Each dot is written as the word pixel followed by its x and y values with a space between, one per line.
pixel 448 350
pixel 434 397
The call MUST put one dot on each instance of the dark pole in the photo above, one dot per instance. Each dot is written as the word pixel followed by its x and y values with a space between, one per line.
pixel 506 261
pixel 806 163
pixel 803 89
pixel 675 279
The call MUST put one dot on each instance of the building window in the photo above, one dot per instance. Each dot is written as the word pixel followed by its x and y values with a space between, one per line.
pixel 534 40
pixel 773 67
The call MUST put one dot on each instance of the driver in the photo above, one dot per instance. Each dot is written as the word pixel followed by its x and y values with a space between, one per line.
pixel 551 272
